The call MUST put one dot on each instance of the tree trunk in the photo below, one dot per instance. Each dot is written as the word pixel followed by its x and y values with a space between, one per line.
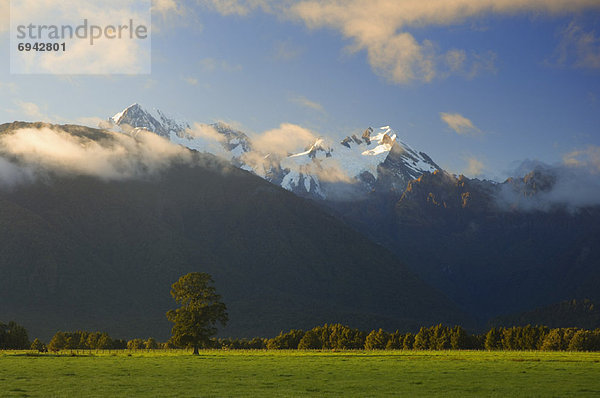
pixel 195 350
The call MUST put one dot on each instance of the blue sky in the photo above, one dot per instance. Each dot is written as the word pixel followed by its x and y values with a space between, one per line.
pixel 479 85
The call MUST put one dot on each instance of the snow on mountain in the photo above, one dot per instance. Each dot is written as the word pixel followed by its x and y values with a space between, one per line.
pixel 218 139
pixel 135 116
pixel 375 161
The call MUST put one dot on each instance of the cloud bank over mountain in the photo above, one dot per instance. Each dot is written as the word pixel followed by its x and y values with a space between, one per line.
pixel 545 187
pixel 29 152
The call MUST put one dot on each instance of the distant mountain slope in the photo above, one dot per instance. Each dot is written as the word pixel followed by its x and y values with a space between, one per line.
pixel 374 160
pixel 491 257
pixel 583 314
pixel 494 248
pixel 80 252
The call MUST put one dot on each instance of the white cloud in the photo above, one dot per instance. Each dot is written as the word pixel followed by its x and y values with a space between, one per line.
pixel 119 156
pixel 460 124
pixel 11 174
pixel 578 48
pixel 4 15
pixel 32 111
pixel 288 138
pixel 401 59
pixel 92 121
pixel 482 63
pixel 587 158
pixel 168 14
pixel 234 124
pixel 475 167
pixel 455 59
pixel 166 7
pixel 306 103
pixel 271 149
pixel 574 184
pixel 238 7
pixel 205 131
pixel 379 27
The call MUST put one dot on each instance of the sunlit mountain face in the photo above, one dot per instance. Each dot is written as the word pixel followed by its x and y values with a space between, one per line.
pixel 375 160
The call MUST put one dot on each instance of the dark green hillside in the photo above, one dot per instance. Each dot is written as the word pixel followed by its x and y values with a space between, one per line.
pixel 79 252
pixel 583 314
pixel 489 260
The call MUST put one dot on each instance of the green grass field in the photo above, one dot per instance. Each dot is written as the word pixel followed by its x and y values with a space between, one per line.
pixel 301 373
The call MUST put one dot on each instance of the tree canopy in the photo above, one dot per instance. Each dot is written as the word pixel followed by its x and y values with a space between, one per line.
pixel 201 309
pixel 13 336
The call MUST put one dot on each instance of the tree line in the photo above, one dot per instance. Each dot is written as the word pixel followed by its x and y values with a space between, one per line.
pixel 439 337
pixel 342 337
pixel 201 309
pixel 13 336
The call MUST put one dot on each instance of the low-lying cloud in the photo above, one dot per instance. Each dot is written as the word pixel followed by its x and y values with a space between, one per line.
pixel 30 152
pixel 569 185
pixel 284 140
pixel 205 131
pixel 475 167
pixel 272 148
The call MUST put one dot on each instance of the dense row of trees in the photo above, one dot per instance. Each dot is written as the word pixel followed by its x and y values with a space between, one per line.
pixel 201 309
pixel 542 338
pixel 13 337
pixel 438 337
pixel 341 337
pixel 82 340
pixel 333 337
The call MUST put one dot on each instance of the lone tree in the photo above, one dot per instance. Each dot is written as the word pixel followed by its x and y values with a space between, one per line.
pixel 201 308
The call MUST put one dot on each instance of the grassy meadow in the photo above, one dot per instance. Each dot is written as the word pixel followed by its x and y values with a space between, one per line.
pixel 300 373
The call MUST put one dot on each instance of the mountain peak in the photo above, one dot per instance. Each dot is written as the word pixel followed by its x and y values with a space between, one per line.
pixel 137 117
pixel 116 119
pixel 374 160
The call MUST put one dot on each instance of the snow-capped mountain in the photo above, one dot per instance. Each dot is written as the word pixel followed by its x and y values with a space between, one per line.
pixel 375 161
pixel 218 139
pixel 135 116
